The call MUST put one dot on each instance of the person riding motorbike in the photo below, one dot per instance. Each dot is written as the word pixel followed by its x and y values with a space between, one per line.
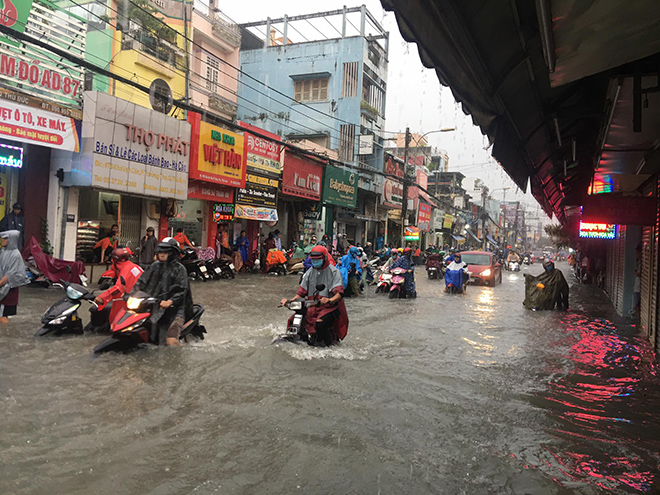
pixel 330 319
pixel 351 271
pixel 547 290
pixel 404 261
pixel 458 265
pixel 450 258
pixel 167 280
pixel 513 256
pixel 128 273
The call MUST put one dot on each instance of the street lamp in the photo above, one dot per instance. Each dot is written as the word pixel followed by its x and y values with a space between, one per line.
pixel 404 206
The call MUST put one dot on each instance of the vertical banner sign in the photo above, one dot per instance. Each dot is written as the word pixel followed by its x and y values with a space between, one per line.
pixel 14 14
pixel 263 156
pixel 424 217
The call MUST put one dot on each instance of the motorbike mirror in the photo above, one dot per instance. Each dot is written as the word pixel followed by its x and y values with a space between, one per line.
pixel 320 287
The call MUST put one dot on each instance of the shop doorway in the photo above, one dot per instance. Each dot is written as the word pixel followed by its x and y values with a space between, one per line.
pixel 130 221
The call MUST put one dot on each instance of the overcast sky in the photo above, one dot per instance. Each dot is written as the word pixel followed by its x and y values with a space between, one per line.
pixel 415 98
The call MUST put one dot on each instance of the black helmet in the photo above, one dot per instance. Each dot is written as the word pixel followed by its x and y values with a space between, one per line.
pixel 168 244
pixel 548 265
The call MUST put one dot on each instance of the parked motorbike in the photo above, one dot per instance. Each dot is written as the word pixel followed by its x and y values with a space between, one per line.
pixel 296 330
pixel 221 268
pixel 62 317
pixel 196 268
pixel 398 290
pixel 135 326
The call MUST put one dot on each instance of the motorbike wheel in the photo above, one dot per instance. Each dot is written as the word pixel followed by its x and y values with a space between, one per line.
pixel 115 345
pixel 45 330
pixel 394 294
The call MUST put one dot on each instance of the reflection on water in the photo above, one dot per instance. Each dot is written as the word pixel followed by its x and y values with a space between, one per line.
pixel 601 407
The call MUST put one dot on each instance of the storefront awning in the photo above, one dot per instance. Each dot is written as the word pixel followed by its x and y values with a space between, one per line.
pixel 473 235
pixel 458 237
pixel 491 240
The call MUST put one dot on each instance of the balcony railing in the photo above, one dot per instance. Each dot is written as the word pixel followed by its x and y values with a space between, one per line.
pixel 226 30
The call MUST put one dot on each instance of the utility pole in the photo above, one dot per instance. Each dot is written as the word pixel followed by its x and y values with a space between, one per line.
pixel 484 215
pixel 404 206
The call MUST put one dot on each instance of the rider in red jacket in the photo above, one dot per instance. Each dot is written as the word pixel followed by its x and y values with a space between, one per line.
pixel 128 274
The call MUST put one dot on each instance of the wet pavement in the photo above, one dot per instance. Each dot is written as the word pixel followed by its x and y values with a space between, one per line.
pixel 440 395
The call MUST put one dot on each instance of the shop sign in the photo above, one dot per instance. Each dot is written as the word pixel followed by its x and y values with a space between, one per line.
pixel 210 192
pixel 4 184
pixel 11 156
pixel 449 221
pixel 597 230
pixel 256 213
pixel 133 149
pixel 619 209
pixel 438 219
pixel 216 155
pixel 424 217
pixel 223 212
pixel 392 196
pixel 263 155
pixel 30 101
pixel 301 177
pixel 340 187
pixel 30 69
pixel 26 124
pixel 366 144
pixel 313 213
pixel 411 234
pixel 259 191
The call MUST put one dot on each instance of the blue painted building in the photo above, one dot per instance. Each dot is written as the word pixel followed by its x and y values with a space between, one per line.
pixel 330 91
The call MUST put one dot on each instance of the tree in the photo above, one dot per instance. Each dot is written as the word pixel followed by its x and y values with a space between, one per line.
pixel 561 238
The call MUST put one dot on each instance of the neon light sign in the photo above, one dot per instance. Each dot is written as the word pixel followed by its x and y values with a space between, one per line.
pixel 11 156
pixel 223 212
pixel 598 230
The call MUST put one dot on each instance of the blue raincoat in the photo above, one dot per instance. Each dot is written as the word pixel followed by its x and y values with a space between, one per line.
pixel 346 262
pixel 406 263
pixel 243 246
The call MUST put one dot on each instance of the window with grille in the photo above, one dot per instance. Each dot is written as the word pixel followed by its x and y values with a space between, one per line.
pixel 346 142
pixel 212 73
pixel 311 90
pixel 350 85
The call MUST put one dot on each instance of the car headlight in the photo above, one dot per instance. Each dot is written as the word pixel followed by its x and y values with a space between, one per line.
pixel 486 273
pixel 73 293
pixel 134 302
pixel 295 305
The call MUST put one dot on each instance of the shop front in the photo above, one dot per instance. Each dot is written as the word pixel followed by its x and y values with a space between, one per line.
pixel 391 199
pixel 339 191
pixel 217 172
pixel 302 178
pixel 424 223
pixel 132 170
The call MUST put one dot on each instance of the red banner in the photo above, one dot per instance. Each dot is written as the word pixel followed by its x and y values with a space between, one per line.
pixel 619 209
pixel 424 217
pixel 301 177
pixel 210 192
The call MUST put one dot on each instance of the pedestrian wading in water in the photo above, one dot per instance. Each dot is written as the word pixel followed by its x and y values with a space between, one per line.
pixel 12 273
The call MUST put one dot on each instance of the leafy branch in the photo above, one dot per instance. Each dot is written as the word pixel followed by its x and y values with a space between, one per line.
pixel 561 237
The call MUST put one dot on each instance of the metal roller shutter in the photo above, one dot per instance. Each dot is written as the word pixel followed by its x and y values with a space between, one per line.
pixel 130 221
pixel 647 247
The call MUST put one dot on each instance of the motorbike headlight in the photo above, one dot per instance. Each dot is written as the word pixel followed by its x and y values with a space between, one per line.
pixel 295 305
pixel 486 273
pixel 57 321
pixel 73 293
pixel 134 302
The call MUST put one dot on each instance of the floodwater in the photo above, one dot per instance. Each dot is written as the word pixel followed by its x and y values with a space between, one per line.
pixel 440 395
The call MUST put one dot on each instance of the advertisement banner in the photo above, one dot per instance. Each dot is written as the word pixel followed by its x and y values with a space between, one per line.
pixel 129 148
pixel 615 208
pixel 438 219
pixel 301 177
pixel 256 213
pixel 449 221
pixel 31 125
pixel 259 190
pixel 216 155
pixel 424 217
pixel 392 196
pixel 223 212
pixel 263 156
pixel 340 187
pixel 210 192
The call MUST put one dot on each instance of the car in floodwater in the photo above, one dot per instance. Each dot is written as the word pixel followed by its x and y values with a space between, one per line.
pixel 483 267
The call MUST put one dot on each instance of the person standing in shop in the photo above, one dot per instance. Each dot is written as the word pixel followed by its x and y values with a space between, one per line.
pixel 148 248
pixel 12 274
pixel 182 238
pixel 15 221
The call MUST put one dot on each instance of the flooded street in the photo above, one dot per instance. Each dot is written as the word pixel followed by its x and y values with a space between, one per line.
pixel 440 395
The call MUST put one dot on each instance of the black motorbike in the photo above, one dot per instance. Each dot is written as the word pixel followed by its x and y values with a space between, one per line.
pixel 296 330
pixel 197 269
pixel 62 317
pixel 221 269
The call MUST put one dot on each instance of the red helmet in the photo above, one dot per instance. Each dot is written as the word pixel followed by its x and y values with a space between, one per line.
pixel 121 254
pixel 407 250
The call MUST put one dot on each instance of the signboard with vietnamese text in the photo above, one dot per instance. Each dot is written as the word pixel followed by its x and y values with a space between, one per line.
pixel 223 212
pixel 31 125
pixel 262 155
pixel 618 209
pixel 31 70
pixel 216 155
pixel 597 230
pixel 449 221
pixel 11 156
pixel 256 213
pixel 259 190
pixel 392 196
pixel 301 177
pixel 424 217
pixel 130 148
pixel 339 187
pixel 210 192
